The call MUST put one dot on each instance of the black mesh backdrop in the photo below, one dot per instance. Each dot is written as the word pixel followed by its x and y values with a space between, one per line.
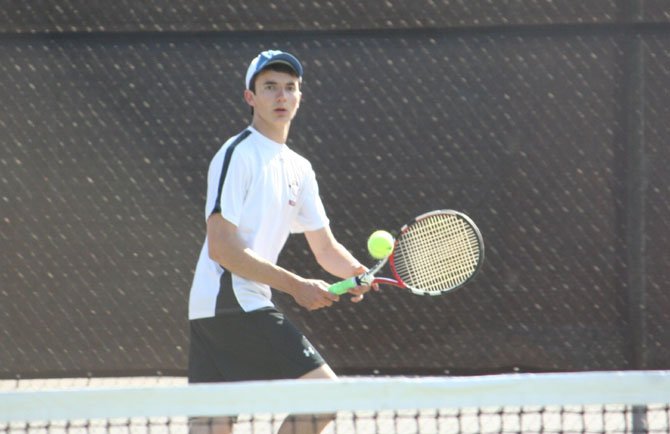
pixel 264 15
pixel 106 139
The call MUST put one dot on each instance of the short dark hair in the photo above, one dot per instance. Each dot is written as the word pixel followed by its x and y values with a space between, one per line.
pixel 277 67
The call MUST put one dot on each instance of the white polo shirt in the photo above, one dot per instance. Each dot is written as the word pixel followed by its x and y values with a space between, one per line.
pixel 267 191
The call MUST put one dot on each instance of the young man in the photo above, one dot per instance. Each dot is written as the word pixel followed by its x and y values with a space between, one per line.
pixel 258 192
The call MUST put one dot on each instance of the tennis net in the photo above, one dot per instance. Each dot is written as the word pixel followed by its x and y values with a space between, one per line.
pixel 587 402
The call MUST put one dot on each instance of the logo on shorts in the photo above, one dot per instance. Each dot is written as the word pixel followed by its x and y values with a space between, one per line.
pixel 309 351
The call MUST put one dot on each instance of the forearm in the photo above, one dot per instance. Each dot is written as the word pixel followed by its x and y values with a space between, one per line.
pixel 228 250
pixel 245 263
pixel 339 262
pixel 336 259
pixel 331 255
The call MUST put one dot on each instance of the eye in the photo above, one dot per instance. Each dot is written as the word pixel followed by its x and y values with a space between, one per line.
pixel 271 87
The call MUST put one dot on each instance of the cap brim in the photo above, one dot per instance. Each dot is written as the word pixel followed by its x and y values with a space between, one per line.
pixel 286 59
pixel 283 62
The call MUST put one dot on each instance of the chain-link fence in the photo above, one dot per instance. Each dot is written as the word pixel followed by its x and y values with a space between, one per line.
pixel 544 121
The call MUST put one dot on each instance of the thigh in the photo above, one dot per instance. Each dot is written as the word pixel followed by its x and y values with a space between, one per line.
pixel 291 353
pixel 322 372
pixel 211 425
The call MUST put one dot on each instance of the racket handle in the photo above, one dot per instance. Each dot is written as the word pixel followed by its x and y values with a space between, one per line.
pixel 343 286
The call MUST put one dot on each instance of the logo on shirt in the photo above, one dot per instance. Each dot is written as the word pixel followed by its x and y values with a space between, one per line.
pixel 293 191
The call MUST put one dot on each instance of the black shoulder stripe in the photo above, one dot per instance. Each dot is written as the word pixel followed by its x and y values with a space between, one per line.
pixel 224 171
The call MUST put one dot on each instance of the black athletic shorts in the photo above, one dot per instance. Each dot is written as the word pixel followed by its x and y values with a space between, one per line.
pixel 258 345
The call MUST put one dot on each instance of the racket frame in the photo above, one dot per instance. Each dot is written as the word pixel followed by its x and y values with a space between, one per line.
pixel 397 281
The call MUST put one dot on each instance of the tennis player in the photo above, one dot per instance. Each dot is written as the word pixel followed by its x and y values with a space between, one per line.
pixel 258 192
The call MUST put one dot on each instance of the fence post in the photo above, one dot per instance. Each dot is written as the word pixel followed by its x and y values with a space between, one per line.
pixel 636 182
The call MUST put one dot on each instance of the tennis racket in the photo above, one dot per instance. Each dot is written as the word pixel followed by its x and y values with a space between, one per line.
pixel 438 252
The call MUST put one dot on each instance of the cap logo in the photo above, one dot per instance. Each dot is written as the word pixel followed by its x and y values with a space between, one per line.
pixel 264 57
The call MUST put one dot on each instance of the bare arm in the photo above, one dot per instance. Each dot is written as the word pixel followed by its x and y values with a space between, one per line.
pixel 227 249
pixel 336 259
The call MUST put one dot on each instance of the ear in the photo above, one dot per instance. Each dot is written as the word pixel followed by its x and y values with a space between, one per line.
pixel 249 97
pixel 299 99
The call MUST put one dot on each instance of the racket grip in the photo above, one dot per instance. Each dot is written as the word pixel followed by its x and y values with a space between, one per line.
pixel 343 286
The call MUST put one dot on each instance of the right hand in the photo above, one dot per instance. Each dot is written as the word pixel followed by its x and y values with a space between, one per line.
pixel 313 294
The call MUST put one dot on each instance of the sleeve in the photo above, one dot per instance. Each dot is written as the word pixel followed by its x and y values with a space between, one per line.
pixel 312 214
pixel 227 184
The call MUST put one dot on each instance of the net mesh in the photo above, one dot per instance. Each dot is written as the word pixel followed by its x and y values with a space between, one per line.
pixel 591 402
pixel 438 252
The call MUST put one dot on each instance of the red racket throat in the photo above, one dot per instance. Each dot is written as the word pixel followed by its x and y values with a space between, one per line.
pixel 396 281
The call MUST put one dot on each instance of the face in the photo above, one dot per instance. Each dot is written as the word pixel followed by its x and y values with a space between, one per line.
pixel 276 99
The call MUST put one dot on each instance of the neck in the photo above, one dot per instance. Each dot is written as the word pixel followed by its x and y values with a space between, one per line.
pixel 275 133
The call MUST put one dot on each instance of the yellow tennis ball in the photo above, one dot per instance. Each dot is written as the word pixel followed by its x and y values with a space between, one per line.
pixel 380 244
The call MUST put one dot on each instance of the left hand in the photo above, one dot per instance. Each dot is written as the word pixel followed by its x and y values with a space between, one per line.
pixel 358 292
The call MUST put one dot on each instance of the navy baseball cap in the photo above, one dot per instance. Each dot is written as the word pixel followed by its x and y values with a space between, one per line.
pixel 270 57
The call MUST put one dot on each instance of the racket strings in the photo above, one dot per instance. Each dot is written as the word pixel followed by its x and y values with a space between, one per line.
pixel 438 263
pixel 437 253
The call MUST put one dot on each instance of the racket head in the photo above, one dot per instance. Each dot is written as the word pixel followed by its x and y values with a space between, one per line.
pixel 439 251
